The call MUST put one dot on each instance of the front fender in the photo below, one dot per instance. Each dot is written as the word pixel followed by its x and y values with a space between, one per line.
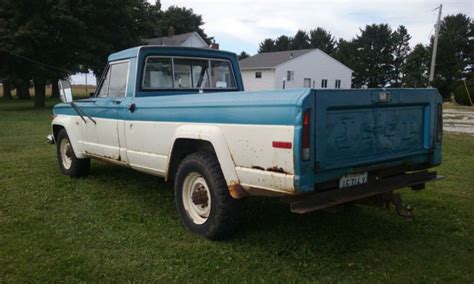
pixel 73 126
pixel 213 135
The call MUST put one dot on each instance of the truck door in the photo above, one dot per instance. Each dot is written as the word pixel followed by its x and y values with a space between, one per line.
pixel 102 138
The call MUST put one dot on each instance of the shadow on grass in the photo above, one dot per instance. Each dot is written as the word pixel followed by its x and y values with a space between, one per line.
pixel 16 105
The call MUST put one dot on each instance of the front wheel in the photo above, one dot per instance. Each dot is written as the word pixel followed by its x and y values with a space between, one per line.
pixel 202 197
pixel 69 164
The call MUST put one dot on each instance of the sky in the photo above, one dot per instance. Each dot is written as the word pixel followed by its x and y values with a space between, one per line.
pixel 240 25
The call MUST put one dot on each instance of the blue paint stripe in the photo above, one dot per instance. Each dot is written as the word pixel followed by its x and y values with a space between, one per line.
pixel 264 108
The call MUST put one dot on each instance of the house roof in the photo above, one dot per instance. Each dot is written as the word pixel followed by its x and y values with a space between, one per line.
pixel 175 40
pixel 271 59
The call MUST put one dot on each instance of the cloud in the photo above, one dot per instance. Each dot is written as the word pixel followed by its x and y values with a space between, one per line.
pixel 249 22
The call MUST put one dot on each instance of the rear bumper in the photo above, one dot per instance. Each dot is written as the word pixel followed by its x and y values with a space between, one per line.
pixel 320 200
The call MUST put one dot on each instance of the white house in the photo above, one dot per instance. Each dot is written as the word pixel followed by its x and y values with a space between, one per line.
pixel 192 39
pixel 307 68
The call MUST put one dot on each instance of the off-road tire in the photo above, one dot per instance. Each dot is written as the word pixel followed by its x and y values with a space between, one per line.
pixel 78 167
pixel 224 210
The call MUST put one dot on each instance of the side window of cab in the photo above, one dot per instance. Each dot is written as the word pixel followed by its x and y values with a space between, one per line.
pixel 114 82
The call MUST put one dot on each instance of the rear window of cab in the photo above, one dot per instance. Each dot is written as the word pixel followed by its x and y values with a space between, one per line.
pixel 168 72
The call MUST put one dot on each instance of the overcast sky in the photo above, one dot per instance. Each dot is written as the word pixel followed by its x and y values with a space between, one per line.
pixel 240 25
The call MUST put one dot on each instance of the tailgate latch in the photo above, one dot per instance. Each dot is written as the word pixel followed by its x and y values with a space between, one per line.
pixel 384 97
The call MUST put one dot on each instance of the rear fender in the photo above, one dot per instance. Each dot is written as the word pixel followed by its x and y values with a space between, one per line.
pixel 213 135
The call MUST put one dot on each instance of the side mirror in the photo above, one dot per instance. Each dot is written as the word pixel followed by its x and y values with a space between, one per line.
pixel 65 91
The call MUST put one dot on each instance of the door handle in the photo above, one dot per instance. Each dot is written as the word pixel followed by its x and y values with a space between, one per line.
pixel 132 107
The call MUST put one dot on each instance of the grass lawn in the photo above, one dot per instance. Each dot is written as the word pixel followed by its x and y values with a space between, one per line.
pixel 120 225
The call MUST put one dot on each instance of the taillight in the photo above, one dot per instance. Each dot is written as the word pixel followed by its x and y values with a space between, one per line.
pixel 439 122
pixel 306 136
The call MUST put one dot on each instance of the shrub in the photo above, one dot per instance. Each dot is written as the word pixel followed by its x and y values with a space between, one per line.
pixel 460 94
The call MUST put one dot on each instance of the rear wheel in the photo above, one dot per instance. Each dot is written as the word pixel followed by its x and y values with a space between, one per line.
pixel 202 197
pixel 69 164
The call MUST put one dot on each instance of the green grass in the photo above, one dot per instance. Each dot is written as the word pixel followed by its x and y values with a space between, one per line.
pixel 120 225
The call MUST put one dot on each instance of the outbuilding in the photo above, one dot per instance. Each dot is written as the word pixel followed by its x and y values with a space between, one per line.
pixel 192 39
pixel 306 68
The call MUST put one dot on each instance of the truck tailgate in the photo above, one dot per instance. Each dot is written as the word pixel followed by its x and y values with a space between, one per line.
pixel 364 127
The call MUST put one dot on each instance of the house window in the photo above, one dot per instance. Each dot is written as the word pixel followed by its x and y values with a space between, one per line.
pixel 290 75
pixel 307 83
pixel 258 75
pixel 337 85
pixel 324 83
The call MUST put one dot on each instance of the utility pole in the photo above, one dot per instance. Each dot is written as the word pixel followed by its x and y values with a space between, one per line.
pixel 435 45
pixel 87 94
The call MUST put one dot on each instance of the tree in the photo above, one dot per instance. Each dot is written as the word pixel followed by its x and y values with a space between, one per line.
pixel 373 61
pixel 11 36
pixel 300 40
pixel 267 45
pixel 401 40
pixel 455 52
pixel 283 43
pixel 6 81
pixel 148 23
pixel 322 39
pixel 183 20
pixel 345 53
pixel 69 36
pixel 416 67
pixel 243 55
pixel 110 26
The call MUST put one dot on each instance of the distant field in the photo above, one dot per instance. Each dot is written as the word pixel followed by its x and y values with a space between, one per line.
pixel 78 90
pixel 118 225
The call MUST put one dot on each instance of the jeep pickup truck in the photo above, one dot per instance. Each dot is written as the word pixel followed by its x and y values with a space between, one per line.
pixel 182 114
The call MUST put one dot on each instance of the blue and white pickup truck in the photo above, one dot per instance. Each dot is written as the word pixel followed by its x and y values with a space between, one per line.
pixel 182 114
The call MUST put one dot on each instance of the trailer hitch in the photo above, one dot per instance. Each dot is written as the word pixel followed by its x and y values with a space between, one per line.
pixel 404 211
pixel 385 200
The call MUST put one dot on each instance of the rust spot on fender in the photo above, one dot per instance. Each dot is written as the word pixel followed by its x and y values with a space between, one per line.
pixel 277 169
pixel 258 168
pixel 236 190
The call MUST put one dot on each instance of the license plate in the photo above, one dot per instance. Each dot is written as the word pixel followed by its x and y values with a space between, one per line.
pixel 353 180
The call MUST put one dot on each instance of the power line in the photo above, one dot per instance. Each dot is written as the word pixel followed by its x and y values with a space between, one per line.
pixel 37 62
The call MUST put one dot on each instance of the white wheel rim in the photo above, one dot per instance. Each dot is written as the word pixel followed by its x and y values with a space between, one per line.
pixel 66 153
pixel 196 198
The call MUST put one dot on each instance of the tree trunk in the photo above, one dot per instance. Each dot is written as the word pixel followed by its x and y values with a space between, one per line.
pixel 7 89
pixel 40 93
pixel 54 88
pixel 23 89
